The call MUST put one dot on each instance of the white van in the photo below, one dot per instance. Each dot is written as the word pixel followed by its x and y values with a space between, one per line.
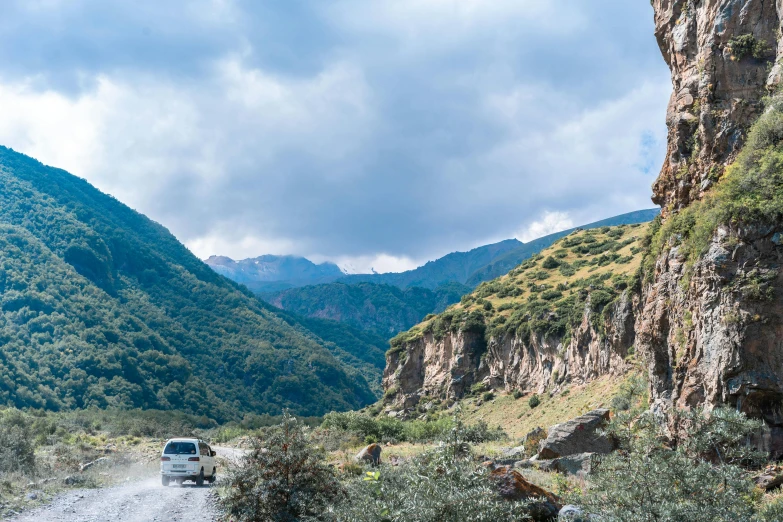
pixel 187 459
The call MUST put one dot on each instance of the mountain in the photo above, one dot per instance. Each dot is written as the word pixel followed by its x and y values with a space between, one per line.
pixel 503 263
pixel 356 348
pixel 272 273
pixel 100 306
pixel 456 267
pixel 563 316
pixel 383 310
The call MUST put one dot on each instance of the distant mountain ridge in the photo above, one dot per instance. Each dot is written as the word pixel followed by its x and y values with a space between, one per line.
pixel 383 310
pixel 269 273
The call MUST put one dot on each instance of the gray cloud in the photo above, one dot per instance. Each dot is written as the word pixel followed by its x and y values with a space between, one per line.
pixel 344 129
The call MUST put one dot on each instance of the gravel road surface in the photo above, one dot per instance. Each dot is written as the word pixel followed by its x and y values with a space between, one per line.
pixel 139 501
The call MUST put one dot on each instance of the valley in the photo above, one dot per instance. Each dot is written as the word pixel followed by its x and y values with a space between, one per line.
pixel 626 370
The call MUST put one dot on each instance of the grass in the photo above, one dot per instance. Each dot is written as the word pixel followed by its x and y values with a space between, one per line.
pixel 546 294
pixel 517 418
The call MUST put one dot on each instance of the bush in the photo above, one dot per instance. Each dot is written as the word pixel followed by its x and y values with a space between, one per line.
pixel 693 475
pixel 518 394
pixel 441 485
pixel 487 396
pixel 533 401
pixel 550 263
pixel 17 453
pixel 283 479
pixel 747 45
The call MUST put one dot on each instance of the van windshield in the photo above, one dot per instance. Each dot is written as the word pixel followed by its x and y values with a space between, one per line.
pixel 180 448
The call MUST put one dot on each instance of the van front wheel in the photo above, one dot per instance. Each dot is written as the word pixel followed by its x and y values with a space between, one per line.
pixel 200 478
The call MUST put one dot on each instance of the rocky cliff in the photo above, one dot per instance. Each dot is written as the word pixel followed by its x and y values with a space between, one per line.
pixel 566 316
pixel 447 368
pixel 722 55
pixel 711 322
pixel 706 314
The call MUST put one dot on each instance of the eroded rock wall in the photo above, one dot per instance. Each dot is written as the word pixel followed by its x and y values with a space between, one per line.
pixel 713 335
pixel 447 368
pixel 722 56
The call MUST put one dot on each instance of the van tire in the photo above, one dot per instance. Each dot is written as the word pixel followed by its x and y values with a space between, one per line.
pixel 212 478
pixel 164 480
pixel 200 478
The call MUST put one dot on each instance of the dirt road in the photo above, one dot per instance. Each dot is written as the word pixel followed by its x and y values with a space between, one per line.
pixel 141 501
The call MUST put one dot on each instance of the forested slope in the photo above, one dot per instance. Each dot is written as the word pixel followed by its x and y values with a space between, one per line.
pixel 102 306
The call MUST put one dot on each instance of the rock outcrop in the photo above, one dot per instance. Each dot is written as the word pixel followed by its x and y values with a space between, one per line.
pixel 721 55
pixel 512 486
pixel 712 334
pixel 447 368
pixel 576 436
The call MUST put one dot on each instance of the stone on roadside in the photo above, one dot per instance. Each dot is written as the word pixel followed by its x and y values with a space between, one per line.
pixel 513 486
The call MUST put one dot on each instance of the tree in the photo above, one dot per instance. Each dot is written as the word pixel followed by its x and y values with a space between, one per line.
pixel 282 479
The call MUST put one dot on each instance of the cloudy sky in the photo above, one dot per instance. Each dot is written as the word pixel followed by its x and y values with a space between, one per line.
pixel 375 133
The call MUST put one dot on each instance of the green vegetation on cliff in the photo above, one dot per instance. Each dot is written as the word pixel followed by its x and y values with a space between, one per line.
pixel 749 194
pixel 100 306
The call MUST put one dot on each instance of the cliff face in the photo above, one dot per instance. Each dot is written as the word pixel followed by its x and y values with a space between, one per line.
pixel 446 368
pixel 719 338
pixel 712 334
pixel 721 55
pixel 711 330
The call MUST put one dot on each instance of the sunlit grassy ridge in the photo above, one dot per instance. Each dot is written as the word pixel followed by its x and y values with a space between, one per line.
pixel 547 294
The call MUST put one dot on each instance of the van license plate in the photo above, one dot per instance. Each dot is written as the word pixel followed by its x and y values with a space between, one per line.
pixel 178 466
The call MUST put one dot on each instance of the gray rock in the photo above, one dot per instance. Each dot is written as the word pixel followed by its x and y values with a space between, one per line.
pixel 33 495
pixel 579 435
pixel 580 464
pixel 519 451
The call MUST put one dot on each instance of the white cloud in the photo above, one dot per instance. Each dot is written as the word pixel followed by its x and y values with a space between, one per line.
pixel 549 223
pixel 409 128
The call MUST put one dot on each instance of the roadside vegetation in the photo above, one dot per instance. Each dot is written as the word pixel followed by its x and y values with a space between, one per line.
pixel 699 469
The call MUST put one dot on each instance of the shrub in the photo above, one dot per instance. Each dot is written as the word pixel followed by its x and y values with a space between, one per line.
pixel 283 478
pixel 487 396
pixel 518 394
pixel 747 45
pixel 550 263
pixel 17 453
pixel 533 401
pixel 441 485
pixel 692 476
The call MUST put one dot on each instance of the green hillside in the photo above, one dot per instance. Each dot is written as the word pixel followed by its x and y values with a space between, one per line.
pixel 384 310
pixel 547 294
pixel 357 348
pixel 100 306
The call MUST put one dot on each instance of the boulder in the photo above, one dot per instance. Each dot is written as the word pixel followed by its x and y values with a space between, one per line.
pixel 770 478
pixel 517 452
pixel 371 454
pixel 513 486
pixel 571 513
pixel 580 464
pixel 579 435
